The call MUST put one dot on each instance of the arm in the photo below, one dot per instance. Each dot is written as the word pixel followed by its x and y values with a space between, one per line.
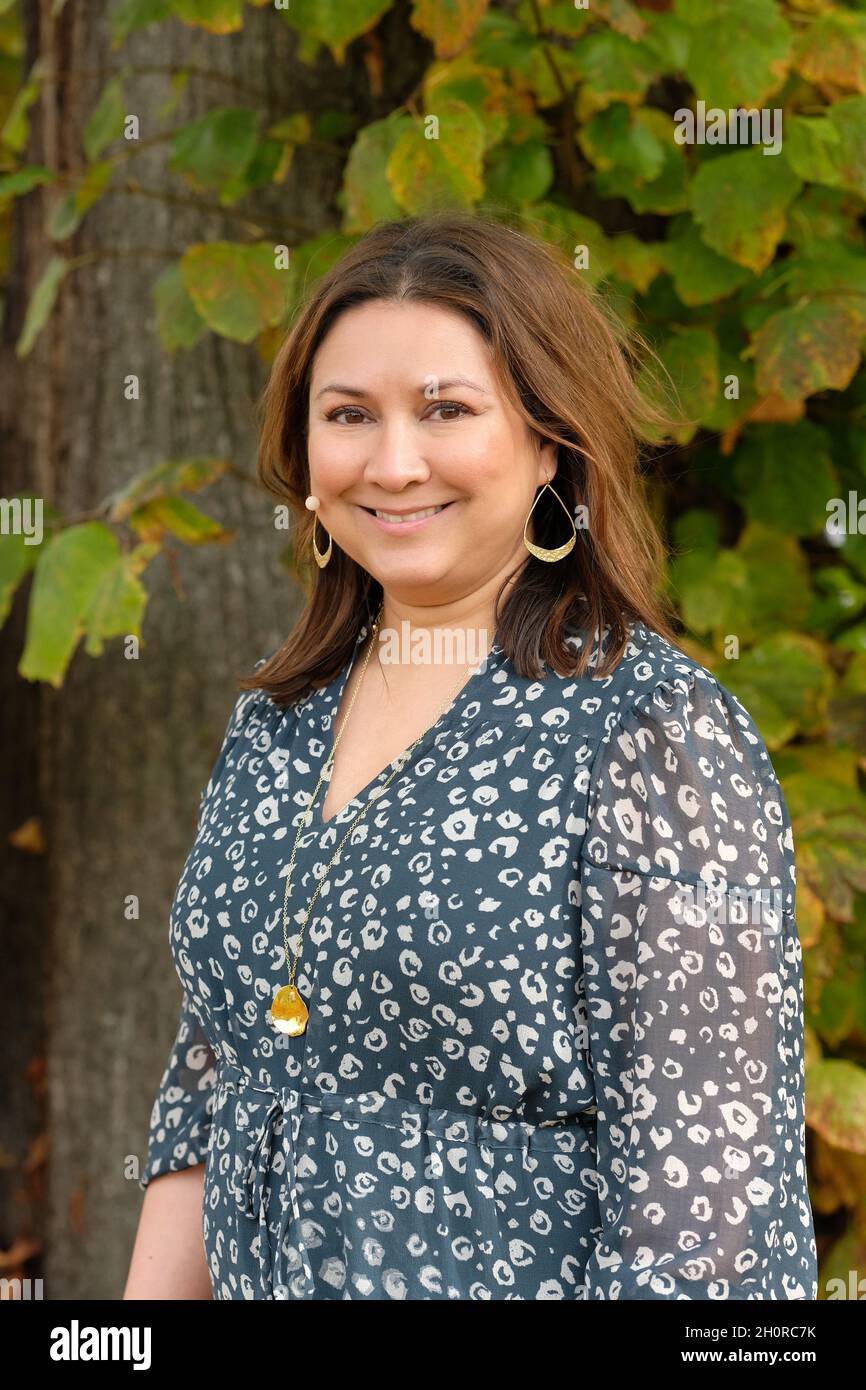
pixel 168 1260
pixel 695 1009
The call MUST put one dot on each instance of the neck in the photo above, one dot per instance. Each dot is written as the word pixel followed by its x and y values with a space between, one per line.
pixel 470 613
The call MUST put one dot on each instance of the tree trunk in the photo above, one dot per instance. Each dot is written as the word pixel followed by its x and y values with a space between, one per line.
pixel 114 762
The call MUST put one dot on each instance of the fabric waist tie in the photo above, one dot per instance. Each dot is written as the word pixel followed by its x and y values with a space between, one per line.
pixel 283 1108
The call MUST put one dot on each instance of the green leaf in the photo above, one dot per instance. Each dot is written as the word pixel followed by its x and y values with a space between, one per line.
pixel 697 529
pixel 558 16
pixel 41 303
pixel 812 148
pixel 748 592
pixel 830 149
pixel 612 68
pixel 823 215
pixel 15 130
pixel 790 669
pixel 20 543
pixel 106 121
pixel 177 517
pixel 166 478
pixel 237 290
pixel 637 262
pixel 130 15
pixel 66 216
pixel 518 174
pixel 120 600
pixel 827 267
pixel 778 592
pixel 691 357
pixel 737 395
pixel 831 52
pixel 486 92
pixel 217 16
pixel 668 37
pixel 668 191
pixel 837 599
pixel 549 72
pixel 449 24
pixel 335 22
pixel 310 261
pixel 810 347
pixel 577 236
pixel 700 275
pixel 177 322
pixel 368 194
pixel 83 583
pixel 784 475
pixel 704 589
pixel 739 50
pixel 617 139
pixel 429 173
pixel 23 180
pixel 739 200
pixel 836 1104
pixel 503 42
pixel 215 150
pixel 294 129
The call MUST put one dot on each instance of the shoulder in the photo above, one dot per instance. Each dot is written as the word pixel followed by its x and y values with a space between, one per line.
pixel 251 707
pixel 658 690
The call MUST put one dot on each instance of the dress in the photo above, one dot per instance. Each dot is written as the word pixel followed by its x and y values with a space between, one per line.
pixel 542 1060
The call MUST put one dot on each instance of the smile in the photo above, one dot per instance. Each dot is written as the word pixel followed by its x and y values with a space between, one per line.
pixel 406 521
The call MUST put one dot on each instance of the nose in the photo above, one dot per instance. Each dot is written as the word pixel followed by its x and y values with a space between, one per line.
pixel 394 458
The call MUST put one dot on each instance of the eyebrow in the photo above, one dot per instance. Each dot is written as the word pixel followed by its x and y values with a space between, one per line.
pixel 444 384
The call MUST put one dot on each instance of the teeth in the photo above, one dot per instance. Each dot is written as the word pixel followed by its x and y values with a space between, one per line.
pixel 412 516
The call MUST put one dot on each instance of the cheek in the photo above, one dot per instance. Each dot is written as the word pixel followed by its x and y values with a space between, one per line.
pixel 332 458
pixel 481 454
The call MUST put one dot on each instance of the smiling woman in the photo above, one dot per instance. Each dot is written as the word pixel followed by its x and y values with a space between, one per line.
pixel 512 1009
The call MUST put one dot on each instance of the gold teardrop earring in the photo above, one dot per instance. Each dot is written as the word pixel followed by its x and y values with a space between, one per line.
pixel 561 550
pixel 322 557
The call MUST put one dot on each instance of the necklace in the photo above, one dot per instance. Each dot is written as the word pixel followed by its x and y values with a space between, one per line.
pixel 289 1013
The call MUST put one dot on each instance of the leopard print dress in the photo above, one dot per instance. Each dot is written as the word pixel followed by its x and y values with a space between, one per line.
pixel 555 1042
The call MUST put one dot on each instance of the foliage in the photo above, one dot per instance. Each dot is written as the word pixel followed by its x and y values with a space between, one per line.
pixel 745 269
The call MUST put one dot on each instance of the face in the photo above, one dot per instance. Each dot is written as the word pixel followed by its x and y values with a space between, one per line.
pixel 406 413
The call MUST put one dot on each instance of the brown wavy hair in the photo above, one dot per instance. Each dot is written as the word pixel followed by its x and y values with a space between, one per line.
pixel 568 364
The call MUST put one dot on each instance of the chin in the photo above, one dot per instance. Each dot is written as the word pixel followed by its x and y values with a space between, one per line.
pixel 413 579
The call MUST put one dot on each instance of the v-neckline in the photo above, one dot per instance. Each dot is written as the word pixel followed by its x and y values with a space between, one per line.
pixel 467 691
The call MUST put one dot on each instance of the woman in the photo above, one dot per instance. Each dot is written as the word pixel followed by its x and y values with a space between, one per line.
pixel 491 975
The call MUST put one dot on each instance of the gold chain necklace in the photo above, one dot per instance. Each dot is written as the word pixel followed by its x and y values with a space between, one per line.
pixel 289 1013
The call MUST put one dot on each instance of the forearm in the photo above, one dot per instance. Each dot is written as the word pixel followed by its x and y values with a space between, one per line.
pixel 168 1259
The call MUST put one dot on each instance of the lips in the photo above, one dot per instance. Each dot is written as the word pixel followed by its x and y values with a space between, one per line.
pixel 414 512
pixel 418 514
pixel 398 526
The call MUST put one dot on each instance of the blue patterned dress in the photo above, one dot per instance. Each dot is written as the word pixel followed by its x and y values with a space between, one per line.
pixel 555 1045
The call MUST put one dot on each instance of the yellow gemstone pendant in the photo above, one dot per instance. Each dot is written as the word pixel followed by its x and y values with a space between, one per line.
pixel 289 1012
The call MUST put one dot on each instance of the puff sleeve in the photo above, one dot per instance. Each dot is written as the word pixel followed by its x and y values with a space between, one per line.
pixel 180 1120
pixel 693 978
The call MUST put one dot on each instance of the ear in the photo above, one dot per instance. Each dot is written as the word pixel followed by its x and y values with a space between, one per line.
pixel 548 459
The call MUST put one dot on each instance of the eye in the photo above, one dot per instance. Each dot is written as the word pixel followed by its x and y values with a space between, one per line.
pixel 345 410
pixel 453 405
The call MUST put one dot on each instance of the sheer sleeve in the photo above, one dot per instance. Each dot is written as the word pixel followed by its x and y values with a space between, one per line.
pixel 693 977
pixel 180 1121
